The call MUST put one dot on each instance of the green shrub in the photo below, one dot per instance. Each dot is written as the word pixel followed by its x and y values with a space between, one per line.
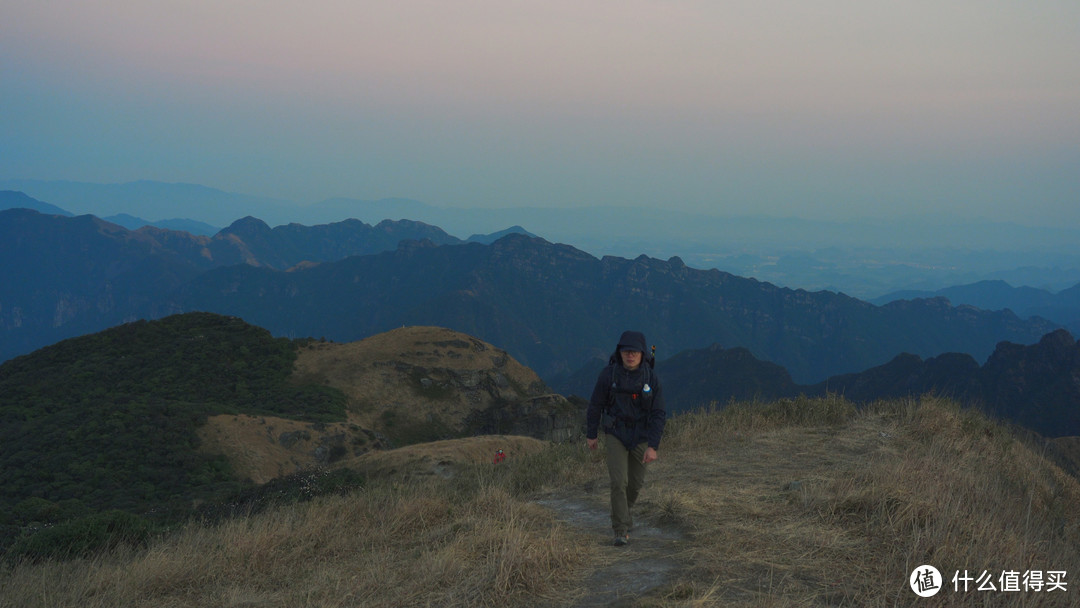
pixel 84 536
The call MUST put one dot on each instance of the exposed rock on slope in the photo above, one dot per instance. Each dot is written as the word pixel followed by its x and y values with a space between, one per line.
pixel 425 383
pixel 262 448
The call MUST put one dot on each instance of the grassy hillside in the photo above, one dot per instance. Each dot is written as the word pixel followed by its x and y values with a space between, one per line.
pixel 786 503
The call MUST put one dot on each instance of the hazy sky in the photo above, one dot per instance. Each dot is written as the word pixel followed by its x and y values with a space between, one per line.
pixel 819 109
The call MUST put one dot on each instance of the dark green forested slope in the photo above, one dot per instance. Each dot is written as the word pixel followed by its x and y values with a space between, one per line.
pixel 108 421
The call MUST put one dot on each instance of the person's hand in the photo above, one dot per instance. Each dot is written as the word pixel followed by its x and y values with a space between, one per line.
pixel 650 455
pixel 592 443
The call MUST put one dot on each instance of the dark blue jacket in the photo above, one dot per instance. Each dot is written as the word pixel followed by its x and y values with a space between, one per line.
pixel 629 410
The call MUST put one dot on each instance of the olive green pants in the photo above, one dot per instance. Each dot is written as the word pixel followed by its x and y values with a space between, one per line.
pixel 627 478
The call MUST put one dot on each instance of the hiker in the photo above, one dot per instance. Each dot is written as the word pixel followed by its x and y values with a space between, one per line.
pixel 629 402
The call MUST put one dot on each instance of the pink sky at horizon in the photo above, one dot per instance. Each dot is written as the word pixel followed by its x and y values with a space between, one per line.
pixel 811 109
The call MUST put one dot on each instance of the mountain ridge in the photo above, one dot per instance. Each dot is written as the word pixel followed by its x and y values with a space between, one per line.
pixel 193 227
pixel 1035 386
pixel 71 275
pixel 569 224
pixel 554 305
pixel 13 199
pixel 862 256
pixel 1062 307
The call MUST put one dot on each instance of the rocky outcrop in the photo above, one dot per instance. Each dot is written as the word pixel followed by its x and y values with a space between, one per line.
pixel 550 417
pixel 261 448
pixel 427 383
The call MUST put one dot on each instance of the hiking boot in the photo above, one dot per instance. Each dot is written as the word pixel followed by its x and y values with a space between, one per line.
pixel 621 539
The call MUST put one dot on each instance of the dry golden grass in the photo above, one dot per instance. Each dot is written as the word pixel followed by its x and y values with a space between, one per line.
pixel 841 512
pixel 401 541
pixel 793 503
pixel 376 374
pixel 445 458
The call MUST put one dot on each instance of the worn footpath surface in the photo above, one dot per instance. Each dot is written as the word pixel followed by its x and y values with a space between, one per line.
pixel 650 561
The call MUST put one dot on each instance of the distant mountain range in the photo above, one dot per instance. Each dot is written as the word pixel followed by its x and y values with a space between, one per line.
pixel 1062 307
pixel 67 276
pixel 863 257
pixel 155 200
pixel 10 199
pixel 552 306
pixel 179 224
pixel 582 225
pixel 1036 386
pixel 487 239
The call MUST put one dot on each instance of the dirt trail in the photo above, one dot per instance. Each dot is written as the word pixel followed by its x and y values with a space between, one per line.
pixel 650 561
pixel 754 539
